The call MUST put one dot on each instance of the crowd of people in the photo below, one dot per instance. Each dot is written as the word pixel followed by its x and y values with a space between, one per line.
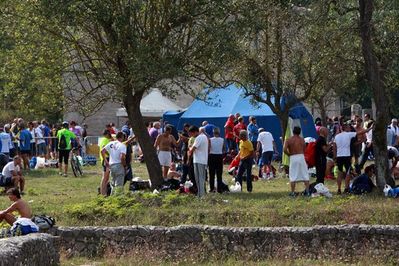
pixel 197 154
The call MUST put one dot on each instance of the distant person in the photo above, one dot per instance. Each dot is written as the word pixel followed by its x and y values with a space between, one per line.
pixel 64 137
pixel 246 154
pixel 208 128
pixel 229 133
pixel 238 128
pixel 294 147
pixel 363 183
pixel 117 162
pixel 107 138
pixel 265 148
pixel 41 148
pixel 217 149
pixel 321 151
pixel 342 154
pixel 154 131
pixel 199 151
pixel 5 143
pixel 12 175
pixel 164 144
pixel 24 144
pixel 253 131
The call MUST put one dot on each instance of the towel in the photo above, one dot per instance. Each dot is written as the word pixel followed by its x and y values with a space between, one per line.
pixel 298 168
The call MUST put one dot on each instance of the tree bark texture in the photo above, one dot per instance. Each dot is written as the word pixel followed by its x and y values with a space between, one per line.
pixel 375 79
pixel 132 105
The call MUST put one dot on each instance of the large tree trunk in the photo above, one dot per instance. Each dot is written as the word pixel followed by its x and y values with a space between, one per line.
pixel 375 79
pixel 323 112
pixel 132 105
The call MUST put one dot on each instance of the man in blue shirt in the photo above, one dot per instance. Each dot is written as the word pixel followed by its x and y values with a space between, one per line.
pixel 24 145
pixel 208 128
pixel 253 131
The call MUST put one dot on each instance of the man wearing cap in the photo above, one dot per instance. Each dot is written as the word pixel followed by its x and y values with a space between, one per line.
pixel 342 153
pixel 64 148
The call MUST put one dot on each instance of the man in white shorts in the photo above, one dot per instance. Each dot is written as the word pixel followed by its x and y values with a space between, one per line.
pixel 294 147
pixel 164 143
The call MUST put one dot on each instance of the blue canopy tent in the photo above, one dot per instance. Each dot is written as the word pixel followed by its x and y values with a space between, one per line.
pixel 220 103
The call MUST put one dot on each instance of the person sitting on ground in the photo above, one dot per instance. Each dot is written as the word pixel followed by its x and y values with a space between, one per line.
pixel 173 173
pixel 18 205
pixel 12 175
pixel 363 183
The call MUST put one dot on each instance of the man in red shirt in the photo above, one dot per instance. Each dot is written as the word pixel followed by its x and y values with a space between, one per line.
pixel 237 128
pixel 229 133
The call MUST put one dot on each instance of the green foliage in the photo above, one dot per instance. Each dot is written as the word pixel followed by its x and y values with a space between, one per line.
pixel 31 65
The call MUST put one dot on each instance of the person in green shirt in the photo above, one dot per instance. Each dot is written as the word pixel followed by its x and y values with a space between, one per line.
pixel 64 137
pixel 107 138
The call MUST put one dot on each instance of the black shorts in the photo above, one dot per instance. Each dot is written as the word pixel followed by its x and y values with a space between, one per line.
pixel 267 157
pixel 27 152
pixel 63 155
pixel 344 162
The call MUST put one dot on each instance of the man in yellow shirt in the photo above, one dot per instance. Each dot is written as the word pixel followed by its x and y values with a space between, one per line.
pixel 246 159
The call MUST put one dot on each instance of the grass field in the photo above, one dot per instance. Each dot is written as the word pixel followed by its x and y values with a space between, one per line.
pixel 134 260
pixel 74 201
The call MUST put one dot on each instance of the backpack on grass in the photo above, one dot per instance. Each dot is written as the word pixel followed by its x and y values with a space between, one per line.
pixel 44 222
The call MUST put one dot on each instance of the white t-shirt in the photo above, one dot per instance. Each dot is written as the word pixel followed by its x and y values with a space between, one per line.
pixel 369 136
pixel 7 170
pixel 266 140
pixel 39 136
pixel 395 129
pixel 343 142
pixel 201 151
pixel 115 150
pixel 216 145
pixel 6 143
pixel 32 133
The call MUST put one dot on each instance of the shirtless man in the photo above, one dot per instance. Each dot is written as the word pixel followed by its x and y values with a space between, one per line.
pixel 18 205
pixel 164 143
pixel 294 147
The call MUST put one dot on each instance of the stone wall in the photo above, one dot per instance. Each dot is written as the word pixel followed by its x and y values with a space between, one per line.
pixel 34 249
pixel 320 242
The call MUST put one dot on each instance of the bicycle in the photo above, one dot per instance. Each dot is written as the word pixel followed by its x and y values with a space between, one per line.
pixel 75 163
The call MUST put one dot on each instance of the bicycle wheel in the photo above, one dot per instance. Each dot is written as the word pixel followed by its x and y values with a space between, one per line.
pixel 74 165
pixel 79 167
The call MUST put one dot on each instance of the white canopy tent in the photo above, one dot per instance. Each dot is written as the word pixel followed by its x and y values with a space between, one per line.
pixel 153 104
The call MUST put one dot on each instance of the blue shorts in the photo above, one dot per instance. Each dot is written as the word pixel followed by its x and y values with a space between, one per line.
pixel 267 157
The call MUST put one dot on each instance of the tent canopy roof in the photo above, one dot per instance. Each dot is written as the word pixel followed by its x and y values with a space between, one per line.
pixel 153 104
pixel 222 102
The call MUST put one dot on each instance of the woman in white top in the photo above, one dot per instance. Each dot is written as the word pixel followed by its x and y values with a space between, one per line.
pixel 215 162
